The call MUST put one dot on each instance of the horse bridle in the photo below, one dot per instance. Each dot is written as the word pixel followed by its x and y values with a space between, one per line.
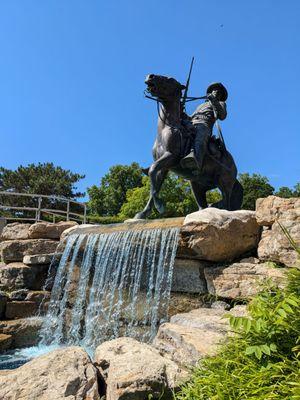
pixel 158 102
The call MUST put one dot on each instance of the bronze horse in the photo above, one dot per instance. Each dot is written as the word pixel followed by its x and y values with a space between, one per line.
pixel 173 143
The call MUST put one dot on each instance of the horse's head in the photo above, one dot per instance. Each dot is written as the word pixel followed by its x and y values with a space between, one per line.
pixel 163 87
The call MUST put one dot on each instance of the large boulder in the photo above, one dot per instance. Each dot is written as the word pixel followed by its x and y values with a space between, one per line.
pixel 15 231
pixel 39 230
pixel 272 208
pixel 275 246
pixel 19 276
pixel 15 250
pixel 24 332
pixel 21 309
pixel 279 214
pixel 5 342
pixel 44 230
pixel 188 276
pixel 242 279
pixel 189 337
pixel 219 235
pixel 192 336
pixel 133 370
pixel 38 296
pixel 39 259
pixel 77 230
pixel 62 374
pixel 184 302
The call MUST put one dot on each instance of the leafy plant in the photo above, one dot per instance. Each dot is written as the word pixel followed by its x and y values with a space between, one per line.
pixel 262 361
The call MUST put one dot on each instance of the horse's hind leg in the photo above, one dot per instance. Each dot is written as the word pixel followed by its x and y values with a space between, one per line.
pixel 226 190
pixel 200 194
pixel 236 198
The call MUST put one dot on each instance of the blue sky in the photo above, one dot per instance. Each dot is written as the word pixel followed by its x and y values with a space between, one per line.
pixel 72 79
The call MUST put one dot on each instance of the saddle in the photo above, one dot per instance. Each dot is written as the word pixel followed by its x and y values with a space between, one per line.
pixel 215 147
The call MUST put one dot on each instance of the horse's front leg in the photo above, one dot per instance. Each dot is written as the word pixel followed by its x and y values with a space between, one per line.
pixel 160 177
pixel 157 174
pixel 146 211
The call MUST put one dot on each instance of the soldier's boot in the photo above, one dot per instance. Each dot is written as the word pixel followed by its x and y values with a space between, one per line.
pixel 190 161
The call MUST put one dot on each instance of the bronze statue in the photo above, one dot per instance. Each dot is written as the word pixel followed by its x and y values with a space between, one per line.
pixel 203 121
pixel 186 146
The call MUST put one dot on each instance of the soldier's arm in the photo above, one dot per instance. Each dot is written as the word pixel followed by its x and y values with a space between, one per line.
pixel 195 112
pixel 220 107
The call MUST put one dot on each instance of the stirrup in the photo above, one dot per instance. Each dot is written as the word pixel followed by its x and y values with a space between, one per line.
pixel 189 161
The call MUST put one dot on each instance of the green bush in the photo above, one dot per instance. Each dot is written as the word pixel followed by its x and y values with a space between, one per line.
pixel 262 361
pixel 96 219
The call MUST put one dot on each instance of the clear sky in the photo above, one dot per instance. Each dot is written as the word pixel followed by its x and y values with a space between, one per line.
pixel 72 79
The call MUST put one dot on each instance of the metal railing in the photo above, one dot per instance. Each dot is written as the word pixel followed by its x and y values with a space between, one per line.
pixel 39 212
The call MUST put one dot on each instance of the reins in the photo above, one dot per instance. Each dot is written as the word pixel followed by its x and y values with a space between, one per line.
pixel 158 102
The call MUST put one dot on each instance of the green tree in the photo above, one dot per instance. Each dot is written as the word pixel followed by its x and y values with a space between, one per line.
pixel 296 192
pixel 175 192
pixel 41 178
pixel 285 192
pixel 255 186
pixel 108 198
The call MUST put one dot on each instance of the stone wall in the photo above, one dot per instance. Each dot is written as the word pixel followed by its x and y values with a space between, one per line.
pixel 26 251
pixel 221 253
pixel 233 252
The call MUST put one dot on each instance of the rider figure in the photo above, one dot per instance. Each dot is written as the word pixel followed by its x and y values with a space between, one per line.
pixel 203 121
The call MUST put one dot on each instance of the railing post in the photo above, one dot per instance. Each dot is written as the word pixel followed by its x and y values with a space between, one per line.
pixel 38 213
pixel 68 210
pixel 84 214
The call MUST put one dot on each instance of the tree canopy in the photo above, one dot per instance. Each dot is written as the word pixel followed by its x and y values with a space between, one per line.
pixel 176 194
pixel 108 198
pixel 287 192
pixel 255 186
pixel 124 191
pixel 41 178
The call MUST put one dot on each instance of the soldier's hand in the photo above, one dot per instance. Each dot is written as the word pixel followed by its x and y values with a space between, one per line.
pixel 213 95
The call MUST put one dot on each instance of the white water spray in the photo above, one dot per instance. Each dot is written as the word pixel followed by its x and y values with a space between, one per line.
pixel 111 285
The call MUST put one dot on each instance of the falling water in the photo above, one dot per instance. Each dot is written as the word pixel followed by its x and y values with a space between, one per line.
pixel 110 285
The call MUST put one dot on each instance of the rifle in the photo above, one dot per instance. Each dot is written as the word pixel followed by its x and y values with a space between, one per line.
pixel 184 97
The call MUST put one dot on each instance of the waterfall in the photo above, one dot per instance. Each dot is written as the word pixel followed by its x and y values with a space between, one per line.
pixel 109 285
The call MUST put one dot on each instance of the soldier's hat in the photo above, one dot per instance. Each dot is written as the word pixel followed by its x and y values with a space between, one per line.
pixel 221 89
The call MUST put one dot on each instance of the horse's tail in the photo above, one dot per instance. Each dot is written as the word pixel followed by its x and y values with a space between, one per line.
pixel 236 198
pixel 145 171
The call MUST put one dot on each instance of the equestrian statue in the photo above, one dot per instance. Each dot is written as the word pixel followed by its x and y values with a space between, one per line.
pixel 186 145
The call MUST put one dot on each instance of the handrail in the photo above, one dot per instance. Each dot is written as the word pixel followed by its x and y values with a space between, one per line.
pixel 39 210
pixel 49 196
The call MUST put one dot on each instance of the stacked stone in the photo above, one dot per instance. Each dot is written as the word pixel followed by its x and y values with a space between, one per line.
pixel 26 251
pixel 228 255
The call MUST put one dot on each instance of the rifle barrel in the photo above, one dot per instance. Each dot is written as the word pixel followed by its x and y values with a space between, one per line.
pixel 187 84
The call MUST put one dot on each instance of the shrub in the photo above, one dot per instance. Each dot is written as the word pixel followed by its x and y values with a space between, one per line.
pixel 262 361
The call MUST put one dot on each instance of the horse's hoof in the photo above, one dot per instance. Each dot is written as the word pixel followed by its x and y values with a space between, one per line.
pixel 139 215
pixel 159 205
